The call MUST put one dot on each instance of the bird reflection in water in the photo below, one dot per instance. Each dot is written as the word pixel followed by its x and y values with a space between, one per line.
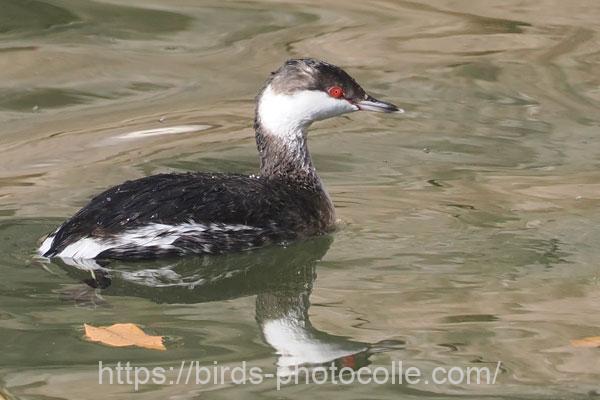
pixel 281 278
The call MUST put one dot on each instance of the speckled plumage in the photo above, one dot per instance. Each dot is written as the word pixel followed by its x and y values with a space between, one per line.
pixel 206 213
pixel 279 210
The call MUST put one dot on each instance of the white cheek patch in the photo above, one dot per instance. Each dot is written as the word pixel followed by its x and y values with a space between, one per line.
pixel 282 114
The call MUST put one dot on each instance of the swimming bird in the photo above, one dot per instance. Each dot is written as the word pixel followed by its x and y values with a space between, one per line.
pixel 214 213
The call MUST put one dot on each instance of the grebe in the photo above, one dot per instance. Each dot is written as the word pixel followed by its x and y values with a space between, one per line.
pixel 213 213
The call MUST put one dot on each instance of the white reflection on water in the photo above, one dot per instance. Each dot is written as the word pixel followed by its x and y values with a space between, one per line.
pixel 471 224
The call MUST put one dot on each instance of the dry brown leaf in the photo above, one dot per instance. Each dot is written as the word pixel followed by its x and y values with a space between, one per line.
pixel 592 341
pixel 120 335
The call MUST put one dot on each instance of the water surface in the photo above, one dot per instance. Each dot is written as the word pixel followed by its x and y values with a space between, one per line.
pixel 470 224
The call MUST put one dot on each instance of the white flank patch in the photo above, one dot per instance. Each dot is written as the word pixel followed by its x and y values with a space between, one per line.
pixel 288 115
pixel 46 244
pixel 169 130
pixel 85 248
pixel 159 235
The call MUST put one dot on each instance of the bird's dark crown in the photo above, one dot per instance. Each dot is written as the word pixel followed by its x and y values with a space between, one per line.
pixel 311 74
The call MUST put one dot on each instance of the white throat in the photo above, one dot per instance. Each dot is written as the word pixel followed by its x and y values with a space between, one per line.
pixel 288 115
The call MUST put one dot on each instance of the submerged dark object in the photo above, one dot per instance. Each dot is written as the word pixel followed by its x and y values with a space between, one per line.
pixel 209 213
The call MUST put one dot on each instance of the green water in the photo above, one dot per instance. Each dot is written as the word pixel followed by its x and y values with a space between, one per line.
pixel 469 225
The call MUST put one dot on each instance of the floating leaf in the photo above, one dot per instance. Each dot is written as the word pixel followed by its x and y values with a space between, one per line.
pixel 592 341
pixel 120 335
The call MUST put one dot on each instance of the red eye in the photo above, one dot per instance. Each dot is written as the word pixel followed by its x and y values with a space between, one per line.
pixel 335 91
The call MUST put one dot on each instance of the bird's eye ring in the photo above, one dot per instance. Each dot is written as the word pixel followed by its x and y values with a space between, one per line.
pixel 336 92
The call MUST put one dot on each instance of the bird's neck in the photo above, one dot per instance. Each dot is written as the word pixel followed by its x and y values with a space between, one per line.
pixel 285 157
pixel 285 153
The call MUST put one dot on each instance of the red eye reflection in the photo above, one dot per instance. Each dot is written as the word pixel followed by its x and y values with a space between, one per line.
pixel 335 91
